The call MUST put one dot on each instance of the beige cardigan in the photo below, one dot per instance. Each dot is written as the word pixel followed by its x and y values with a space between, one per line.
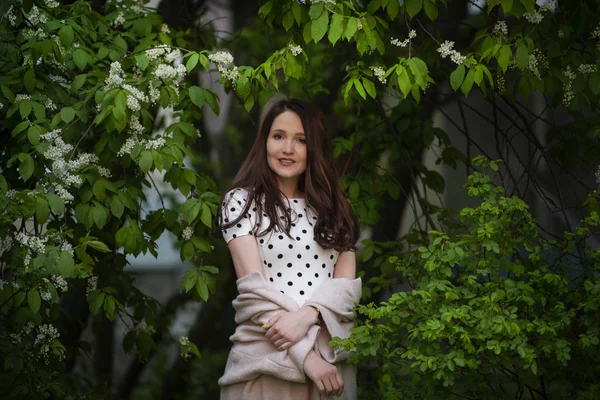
pixel 252 354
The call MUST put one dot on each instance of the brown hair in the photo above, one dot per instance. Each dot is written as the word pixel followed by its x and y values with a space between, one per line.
pixel 337 226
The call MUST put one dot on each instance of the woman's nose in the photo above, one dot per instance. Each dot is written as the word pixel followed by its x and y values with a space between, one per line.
pixel 288 146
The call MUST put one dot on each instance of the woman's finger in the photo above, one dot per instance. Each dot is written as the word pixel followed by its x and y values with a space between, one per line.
pixel 327 386
pixel 340 383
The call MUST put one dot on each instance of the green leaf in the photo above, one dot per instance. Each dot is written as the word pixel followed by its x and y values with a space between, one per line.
pixel 34 300
pixel 336 29
pixel 351 28
pixel 319 26
pixel 192 62
pixel 297 11
pixel 66 265
pixel 80 58
pixel 197 96
pixel 142 61
pixel 457 77
pixel 8 93
pixel 42 211
pixel 109 308
pixel 393 8
pixel 29 80
pixel 100 216
pixel 97 245
pixel 57 205
pixel 507 5
pixel 288 20
pixel 95 300
pixel 431 9
pixel 369 87
pixel 504 56
pixel 129 340
pixel 33 135
pixel 265 9
pixel 65 35
pixel 117 207
pixel 187 251
pixel 145 161
pixel 522 56
pixel 26 166
pixel 78 82
pixel 206 216
pixel 468 82
pixel 360 89
pixel 25 107
pixel 202 289
pixel 67 114
pixel 316 10
pixel 413 7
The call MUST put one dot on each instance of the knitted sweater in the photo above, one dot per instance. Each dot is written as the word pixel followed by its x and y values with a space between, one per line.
pixel 253 354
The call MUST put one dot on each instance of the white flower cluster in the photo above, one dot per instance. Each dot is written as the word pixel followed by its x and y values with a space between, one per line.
pixel 136 95
pixel 168 72
pixel 60 81
pixel 359 25
pixel 223 59
pixel 560 34
pixel 46 295
pixel 187 233
pixel 500 28
pixel 34 243
pixel 25 331
pixel 46 335
pixel 115 77
pixel 92 284
pixel 136 6
pixel 51 3
pixel 155 144
pixel 36 17
pixel 537 61
pixel 567 86
pixel 119 21
pixel 144 327
pixel 447 49
pixel 104 172
pixel 379 72
pixel 330 2
pixel 411 35
pixel 164 28
pixel 65 171
pixel 295 49
pixel 596 35
pixel 20 97
pixel 49 104
pixel 12 17
pixel 66 246
pixel 184 341
pixel 549 6
pixel 500 85
pixel 39 33
pixel 587 68
pixel 534 17
pixel 60 283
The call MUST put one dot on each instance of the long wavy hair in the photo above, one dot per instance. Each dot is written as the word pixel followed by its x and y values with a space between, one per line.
pixel 336 226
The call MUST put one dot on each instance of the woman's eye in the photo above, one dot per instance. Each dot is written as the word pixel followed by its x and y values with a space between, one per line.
pixel 277 136
pixel 303 141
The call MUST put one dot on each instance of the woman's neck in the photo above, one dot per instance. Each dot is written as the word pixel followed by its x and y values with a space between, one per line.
pixel 290 189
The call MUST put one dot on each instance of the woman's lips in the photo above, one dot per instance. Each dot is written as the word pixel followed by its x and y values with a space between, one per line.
pixel 286 162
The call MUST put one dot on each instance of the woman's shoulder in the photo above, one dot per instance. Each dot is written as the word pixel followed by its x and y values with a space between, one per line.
pixel 237 193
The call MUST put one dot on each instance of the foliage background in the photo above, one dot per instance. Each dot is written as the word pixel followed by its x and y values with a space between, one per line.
pixel 493 295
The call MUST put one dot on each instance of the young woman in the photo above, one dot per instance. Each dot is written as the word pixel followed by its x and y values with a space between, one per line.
pixel 291 235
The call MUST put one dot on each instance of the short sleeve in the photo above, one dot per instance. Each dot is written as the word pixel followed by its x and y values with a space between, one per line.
pixel 234 203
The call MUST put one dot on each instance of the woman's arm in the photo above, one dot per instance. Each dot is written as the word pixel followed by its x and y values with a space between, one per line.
pixel 246 259
pixel 345 267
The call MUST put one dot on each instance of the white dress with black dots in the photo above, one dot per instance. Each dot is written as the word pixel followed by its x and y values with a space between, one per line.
pixel 295 266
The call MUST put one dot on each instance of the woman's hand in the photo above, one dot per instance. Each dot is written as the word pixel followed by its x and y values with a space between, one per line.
pixel 287 328
pixel 324 375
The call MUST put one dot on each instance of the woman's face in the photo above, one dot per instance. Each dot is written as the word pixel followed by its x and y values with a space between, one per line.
pixel 286 148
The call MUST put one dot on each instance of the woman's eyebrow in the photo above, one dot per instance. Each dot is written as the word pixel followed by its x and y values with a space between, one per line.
pixel 284 131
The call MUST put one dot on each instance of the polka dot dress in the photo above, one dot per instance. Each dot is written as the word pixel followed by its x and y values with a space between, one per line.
pixel 295 265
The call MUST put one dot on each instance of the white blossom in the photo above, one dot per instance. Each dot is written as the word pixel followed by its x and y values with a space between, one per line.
pixel 534 17
pixel 184 341
pixel 20 97
pixel 221 57
pixel 379 72
pixel 295 49
pixel 359 25
pixel 67 247
pixel 92 284
pixel 446 49
pixel 136 127
pixel 155 144
pixel 46 296
pixel 500 28
pixel 51 3
pixel 36 17
pixel 115 76
pixel 49 105
pixel 172 55
pixel 120 20
pixel 104 172
pixel 12 17
pixel 587 68
pixel 164 28
pixel 60 81
pixel 165 71
pixel 397 42
pixel 561 34
pixel 549 6
pixel 60 283
pixel 154 94
pixel 187 233
pixel 156 52
pixel 144 327
pixel 568 94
